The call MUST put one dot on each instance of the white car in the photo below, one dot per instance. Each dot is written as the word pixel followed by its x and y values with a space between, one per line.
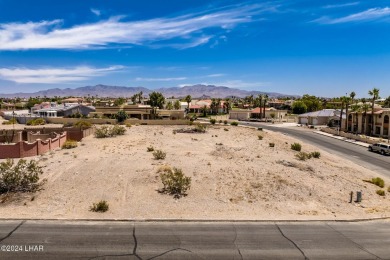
pixel 380 148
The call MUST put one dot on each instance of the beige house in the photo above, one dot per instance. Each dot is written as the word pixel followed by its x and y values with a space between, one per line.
pixel 364 123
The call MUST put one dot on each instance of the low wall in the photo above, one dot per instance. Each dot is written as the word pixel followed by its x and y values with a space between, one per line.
pixel 10 136
pixel 78 134
pixel 156 122
pixel 364 139
pixel 25 149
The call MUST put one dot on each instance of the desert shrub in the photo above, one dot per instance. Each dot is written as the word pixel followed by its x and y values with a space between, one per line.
pixel 10 122
pixel 260 137
pixel 159 155
pixel 220 121
pixel 213 121
pixel 22 177
pixel 225 122
pixel 303 156
pixel 83 124
pixel 128 125
pixel 102 132
pixel 105 131
pixel 69 144
pixel 296 147
pixel 199 128
pixel 101 206
pixel 117 130
pixel 315 154
pixel 150 149
pixel 234 123
pixel 388 189
pixel 226 129
pixel 121 116
pixel 380 192
pixel 260 128
pixel 37 121
pixel 175 182
pixel 271 144
pixel 378 182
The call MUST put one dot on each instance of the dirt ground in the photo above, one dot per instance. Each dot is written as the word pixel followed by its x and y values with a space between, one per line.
pixel 235 176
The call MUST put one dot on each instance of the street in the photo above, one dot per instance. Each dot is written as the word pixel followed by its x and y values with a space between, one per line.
pixel 195 240
pixel 352 152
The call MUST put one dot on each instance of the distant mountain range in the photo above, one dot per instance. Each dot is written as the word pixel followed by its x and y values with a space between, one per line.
pixel 116 91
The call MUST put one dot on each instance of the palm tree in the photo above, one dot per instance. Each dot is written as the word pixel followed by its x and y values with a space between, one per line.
pixel 213 105
pixel 188 99
pixel 375 95
pixel 343 101
pixel 226 105
pixel 265 98
pixel 387 102
pixel 346 112
pixel 352 95
pixel 140 97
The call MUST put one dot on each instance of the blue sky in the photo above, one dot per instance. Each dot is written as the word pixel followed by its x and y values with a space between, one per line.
pixel 325 48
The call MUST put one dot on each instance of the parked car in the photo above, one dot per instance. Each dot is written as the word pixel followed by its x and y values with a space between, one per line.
pixel 380 148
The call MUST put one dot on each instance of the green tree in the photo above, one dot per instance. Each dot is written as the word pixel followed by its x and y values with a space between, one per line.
pixel 119 101
pixel 387 102
pixel 156 99
pixel 299 107
pixel 121 116
pixel 188 99
pixel 177 105
pixel 374 93
pixel 169 105
pixel 312 103
pixel 227 105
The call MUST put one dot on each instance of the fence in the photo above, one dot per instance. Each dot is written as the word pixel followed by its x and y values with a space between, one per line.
pixel 360 138
pixel 25 149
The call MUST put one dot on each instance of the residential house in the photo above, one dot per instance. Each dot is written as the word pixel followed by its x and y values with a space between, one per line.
pixel 321 117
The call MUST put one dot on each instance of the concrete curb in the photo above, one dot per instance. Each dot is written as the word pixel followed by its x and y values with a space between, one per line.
pixel 200 220
pixel 342 139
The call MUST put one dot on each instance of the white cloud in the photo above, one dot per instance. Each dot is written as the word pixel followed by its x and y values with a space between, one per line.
pixel 54 75
pixel 368 15
pixel 252 85
pixel 341 5
pixel 188 30
pixel 215 75
pixel 160 79
pixel 96 11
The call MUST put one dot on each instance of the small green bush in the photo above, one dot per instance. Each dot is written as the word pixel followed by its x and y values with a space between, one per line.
pixel 303 156
pixel 315 154
pixel 271 144
pixel 260 137
pixel 83 124
pixel 226 129
pixel 380 192
pixel 213 121
pixel 128 125
pixel 22 177
pixel 101 206
pixel 220 121
pixel 200 128
pixel 37 121
pixel 10 122
pixel 175 182
pixel 159 155
pixel 117 130
pixel 225 122
pixel 69 144
pixel 150 149
pixel 378 182
pixel 234 123
pixel 105 131
pixel 296 147
pixel 260 128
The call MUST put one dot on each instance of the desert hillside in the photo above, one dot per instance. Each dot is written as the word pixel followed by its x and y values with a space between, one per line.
pixel 234 176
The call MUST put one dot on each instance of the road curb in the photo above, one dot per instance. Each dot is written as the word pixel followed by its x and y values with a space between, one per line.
pixel 200 220
pixel 341 139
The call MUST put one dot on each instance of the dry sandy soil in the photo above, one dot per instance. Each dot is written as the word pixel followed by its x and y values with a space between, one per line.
pixel 242 179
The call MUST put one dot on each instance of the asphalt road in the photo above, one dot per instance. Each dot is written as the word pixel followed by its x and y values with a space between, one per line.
pixel 169 240
pixel 352 152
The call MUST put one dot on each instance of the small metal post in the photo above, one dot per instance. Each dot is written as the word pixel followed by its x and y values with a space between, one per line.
pixel 351 197
pixel 358 196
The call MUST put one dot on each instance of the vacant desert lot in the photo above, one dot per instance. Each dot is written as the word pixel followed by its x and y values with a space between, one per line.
pixel 234 176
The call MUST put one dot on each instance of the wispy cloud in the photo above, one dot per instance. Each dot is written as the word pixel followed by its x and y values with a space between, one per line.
pixel 96 11
pixel 341 5
pixel 368 15
pixel 54 75
pixel 185 31
pixel 250 85
pixel 215 75
pixel 160 79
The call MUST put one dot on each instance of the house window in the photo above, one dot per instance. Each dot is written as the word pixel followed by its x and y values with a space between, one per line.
pixel 386 119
